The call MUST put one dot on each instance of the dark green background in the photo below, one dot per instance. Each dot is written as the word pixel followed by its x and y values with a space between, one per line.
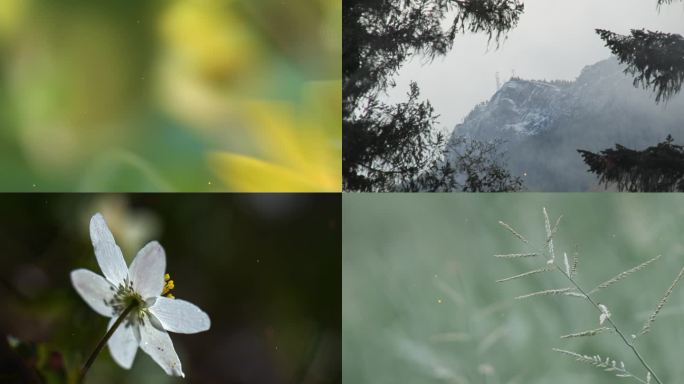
pixel 266 268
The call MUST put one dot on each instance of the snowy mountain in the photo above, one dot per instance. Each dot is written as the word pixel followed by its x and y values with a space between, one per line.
pixel 519 108
pixel 543 123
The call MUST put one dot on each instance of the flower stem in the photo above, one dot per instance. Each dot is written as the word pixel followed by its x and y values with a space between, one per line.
pixel 615 327
pixel 104 340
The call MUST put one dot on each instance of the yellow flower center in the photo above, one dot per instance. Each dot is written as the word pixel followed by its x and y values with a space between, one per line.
pixel 125 296
pixel 168 286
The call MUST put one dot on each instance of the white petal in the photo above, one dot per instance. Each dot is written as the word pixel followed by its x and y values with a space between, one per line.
pixel 158 345
pixel 123 344
pixel 94 289
pixel 108 254
pixel 180 316
pixel 147 270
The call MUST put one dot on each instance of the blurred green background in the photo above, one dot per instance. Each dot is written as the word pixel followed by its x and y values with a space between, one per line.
pixel 421 305
pixel 142 95
pixel 266 268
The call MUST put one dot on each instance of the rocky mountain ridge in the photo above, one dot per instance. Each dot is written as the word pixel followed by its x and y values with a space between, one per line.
pixel 543 123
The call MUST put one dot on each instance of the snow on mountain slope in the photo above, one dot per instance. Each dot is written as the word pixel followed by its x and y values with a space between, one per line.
pixel 520 107
pixel 543 123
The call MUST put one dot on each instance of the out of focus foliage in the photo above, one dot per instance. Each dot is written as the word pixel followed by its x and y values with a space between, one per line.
pixel 301 155
pixel 266 268
pixel 422 306
pixel 113 95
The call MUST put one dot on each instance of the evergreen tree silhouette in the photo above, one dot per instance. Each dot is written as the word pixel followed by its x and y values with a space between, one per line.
pixel 656 60
pixel 655 169
pixel 395 147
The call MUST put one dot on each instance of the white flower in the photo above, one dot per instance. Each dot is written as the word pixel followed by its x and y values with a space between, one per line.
pixel 605 314
pixel 144 284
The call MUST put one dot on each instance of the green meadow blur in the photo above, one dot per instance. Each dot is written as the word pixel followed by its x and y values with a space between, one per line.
pixel 421 304
pixel 172 95
pixel 265 268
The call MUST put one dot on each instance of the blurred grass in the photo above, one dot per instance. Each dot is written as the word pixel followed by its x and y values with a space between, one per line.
pixel 135 96
pixel 421 304
pixel 266 268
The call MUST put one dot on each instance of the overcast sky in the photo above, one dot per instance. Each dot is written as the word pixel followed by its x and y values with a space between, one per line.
pixel 554 39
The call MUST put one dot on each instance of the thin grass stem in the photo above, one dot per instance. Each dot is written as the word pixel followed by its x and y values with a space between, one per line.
pixel 103 341
pixel 615 327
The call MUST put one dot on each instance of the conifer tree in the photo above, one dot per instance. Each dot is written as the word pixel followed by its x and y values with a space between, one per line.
pixel 656 60
pixel 395 147
pixel 655 169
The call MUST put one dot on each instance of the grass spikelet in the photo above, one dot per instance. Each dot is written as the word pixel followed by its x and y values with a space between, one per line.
pixel 609 365
pixel 570 353
pixel 623 275
pixel 514 232
pixel 575 261
pixel 555 225
pixel 528 273
pixel 547 292
pixel 661 304
pixel 591 332
pixel 516 255
pixel 568 269
pixel 549 236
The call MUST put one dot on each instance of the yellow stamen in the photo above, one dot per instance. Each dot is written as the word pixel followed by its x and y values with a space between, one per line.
pixel 168 286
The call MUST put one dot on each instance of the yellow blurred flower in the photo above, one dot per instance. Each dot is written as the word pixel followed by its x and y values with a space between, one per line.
pixel 210 56
pixel 298 152
pixel 208 38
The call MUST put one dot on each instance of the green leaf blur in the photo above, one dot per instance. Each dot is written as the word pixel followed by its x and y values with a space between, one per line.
pixel 136 95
